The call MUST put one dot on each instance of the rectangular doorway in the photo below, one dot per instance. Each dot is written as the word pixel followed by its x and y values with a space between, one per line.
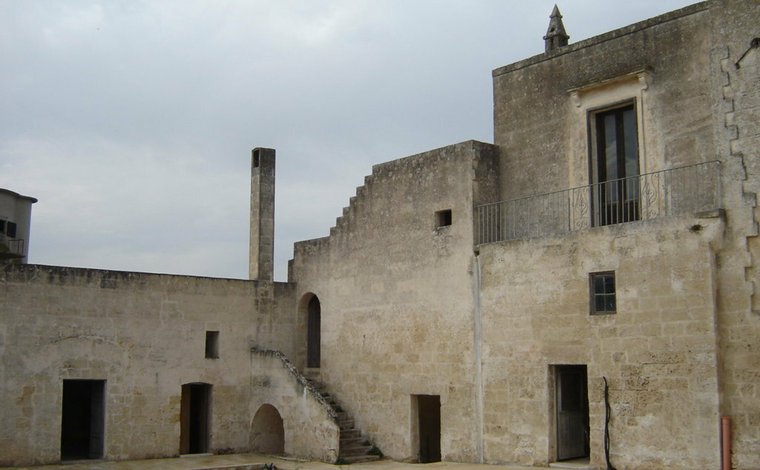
pixel 428 421
pixel 571 386
pixel 195 412
pixel 82 419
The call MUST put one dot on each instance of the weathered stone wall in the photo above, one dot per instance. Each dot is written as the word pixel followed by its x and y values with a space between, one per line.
pixel 657 352
pixel 693 105
pixel 396 298
pixel 541 103
pixel 142 333
pixel 736 107
pixel 311 430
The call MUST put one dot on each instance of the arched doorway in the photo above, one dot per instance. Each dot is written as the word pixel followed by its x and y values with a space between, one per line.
pixel 267 431
pixel 313 332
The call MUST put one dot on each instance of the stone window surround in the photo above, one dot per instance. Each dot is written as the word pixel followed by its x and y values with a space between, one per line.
pixel 592 98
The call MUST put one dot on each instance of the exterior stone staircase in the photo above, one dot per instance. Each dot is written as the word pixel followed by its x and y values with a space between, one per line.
pixel 354 447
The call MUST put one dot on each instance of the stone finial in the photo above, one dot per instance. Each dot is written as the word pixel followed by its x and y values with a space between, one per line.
pixel 556 36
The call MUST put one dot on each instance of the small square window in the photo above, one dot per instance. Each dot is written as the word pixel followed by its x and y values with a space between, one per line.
pixel 602 287
pixel 212 345
pixel 443 218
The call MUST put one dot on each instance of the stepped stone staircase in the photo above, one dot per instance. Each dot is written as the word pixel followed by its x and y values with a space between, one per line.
pixel 354 447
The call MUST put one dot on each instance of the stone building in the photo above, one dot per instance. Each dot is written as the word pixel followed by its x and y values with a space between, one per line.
pixel 584 288
pixel 15 225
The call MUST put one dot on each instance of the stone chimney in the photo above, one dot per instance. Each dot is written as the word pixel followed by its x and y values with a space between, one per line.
pixel 556 36
pixel 261 249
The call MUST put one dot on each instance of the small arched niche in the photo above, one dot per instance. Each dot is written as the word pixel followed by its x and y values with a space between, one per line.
pixel 267 431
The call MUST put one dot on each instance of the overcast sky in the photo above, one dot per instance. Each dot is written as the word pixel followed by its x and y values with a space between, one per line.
pixel 133 121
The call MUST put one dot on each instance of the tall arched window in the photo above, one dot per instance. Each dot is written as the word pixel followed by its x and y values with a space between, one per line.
pixel 313 337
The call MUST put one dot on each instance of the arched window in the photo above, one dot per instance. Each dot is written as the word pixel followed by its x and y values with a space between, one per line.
pixel 313 328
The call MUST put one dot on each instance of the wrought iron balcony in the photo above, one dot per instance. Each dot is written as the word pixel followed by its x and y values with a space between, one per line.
pixel 683 190
pixel 11 247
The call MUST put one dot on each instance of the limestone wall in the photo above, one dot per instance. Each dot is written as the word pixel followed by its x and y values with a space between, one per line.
pixel 736 106
pixel 694 102
pixel 658 351
pixel 144 334
pixel 541 104
pixel 396 298
pixel 309 423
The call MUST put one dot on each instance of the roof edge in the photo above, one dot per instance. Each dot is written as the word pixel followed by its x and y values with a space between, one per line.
pixel 610 35
pixel 17 195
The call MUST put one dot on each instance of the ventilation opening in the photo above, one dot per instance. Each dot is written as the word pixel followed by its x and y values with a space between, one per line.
pixel 256 158
pixel 443 218
pixel 82 419
pixel 212 345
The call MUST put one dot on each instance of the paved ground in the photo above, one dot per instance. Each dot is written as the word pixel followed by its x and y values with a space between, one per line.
pixel 254 461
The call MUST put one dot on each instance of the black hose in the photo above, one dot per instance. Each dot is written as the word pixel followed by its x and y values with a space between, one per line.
pixel 607 412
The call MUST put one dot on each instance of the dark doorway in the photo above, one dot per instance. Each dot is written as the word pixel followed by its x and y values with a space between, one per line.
pixel 572 412
pixel 313 337
pixel 267 431
pixel 429 422
pixel 82 419
pixel 194 418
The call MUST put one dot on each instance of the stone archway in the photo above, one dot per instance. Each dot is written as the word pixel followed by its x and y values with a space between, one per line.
pixel 267 431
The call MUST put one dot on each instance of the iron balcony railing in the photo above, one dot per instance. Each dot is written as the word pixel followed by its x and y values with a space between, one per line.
pixel 687 189
pixel 11 247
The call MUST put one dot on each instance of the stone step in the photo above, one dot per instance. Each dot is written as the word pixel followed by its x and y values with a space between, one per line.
pixel 345 423
pixel 577 464
pixel 360 458
pixel 350 433
pixel 353 446
pixel 351 442
pixel 353 451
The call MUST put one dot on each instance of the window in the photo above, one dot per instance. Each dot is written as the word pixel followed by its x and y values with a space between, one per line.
pixel 212 345
pixel 10 229
pixel 2 226
pixel 602 293
pixel 443 218
pixel 614 166
pixel 255 158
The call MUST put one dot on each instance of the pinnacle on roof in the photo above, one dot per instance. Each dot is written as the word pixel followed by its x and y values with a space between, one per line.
pixel 556 36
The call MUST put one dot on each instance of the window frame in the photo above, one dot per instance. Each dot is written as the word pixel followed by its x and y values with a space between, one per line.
pixel 622 206
pixel 593 294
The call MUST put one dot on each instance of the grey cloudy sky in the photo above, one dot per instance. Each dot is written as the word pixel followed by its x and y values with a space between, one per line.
pixel 132 122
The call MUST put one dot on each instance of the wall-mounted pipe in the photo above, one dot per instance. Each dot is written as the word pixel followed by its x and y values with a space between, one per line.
pixel 725 442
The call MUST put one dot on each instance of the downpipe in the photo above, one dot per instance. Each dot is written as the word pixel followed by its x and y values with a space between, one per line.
pixel 725 442
pixel 607 415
